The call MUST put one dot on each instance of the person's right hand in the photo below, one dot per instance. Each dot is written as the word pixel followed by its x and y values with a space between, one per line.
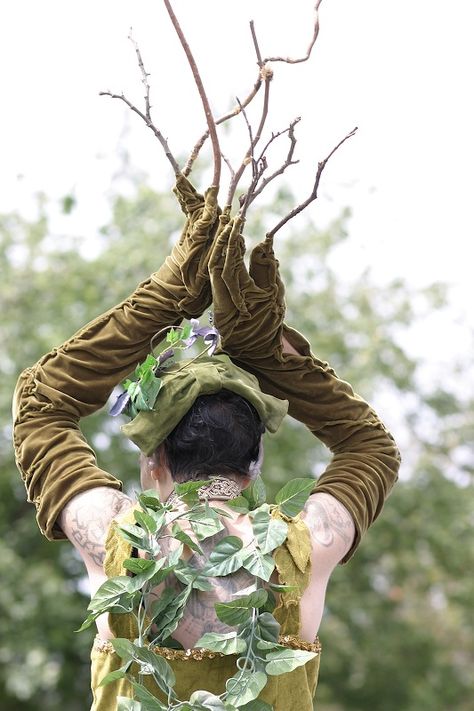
pixel 249 305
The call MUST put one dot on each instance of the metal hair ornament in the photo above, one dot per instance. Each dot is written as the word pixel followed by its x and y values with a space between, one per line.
pixel 141 394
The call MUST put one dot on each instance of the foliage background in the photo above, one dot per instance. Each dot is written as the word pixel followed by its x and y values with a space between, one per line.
pixel 396 630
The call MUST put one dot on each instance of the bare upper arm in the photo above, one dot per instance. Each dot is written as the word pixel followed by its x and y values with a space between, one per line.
pixel 332 529
pixel 86 519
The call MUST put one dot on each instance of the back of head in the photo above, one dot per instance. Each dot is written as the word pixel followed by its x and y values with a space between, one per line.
pixel 219 435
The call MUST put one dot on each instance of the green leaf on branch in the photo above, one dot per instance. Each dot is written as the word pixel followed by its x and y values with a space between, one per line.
pixel 191 576
pixel 238 611
pixel 226 557
pixel 259 564
pixel 147 700
pixel 135 535
pixel 162 603
pixel 269 532
pixel 286 660
pixel 126 704
pixel 227 643
pixel 245 686
pixel 204 701
pixel 239 504
pixel 151 663
pixel 256 705
pixel 172 614
pixel 293 496
pixel 267 627
pixel 146 521
pixel 188 491
pixel 205 523
pixel 255 494
pixel 110 592
pixel 114 675
pixel 124 648
pixel 178 533
pixel 149 500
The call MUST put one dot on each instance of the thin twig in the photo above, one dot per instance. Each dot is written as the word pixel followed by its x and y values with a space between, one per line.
pixel 234 112
pixel 290 60
pixel 268 74
pixel 205 102
pixel 229 165
pixel 145 76
pixel 288 161
pixel 314 193
pixel 150 125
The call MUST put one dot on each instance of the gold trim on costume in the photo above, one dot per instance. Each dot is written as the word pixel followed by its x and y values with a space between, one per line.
pixel 198 654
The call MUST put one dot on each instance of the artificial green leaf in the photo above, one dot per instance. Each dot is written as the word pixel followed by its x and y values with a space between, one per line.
pixel 286 660
pixel 259 564
pixel 138 565
pixel 90 619
pixel 262 644
pixel 157 665
pixel 109 592
pixel 205 523
pixel 149 575
pixel 282 588
pixel 269 532
pixel 191 576
pixel 204 701
pixel 245 686
pixel 147 700
pixel 256 705
pixel 186 331
pixel 226 557
pixel 134 535
pixel 227 643
pixel 114 675
pixel 145 520
pixel 239 610
pixel 124 648
pixel 188 491
pixel 172 614
pixel 150 499
pixel 178 533
pixel 255 494
pixel 126 704
pixel 267 627
pixel 175 555
pixel 239 504
pixel 293 496
pixel 270 604
pixel 162 602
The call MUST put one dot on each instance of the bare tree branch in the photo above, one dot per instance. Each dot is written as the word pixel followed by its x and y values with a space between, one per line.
pixel 205 102
pixel 290 60
pixel 145 75
pixel 150 125
pixel 314 193
pixel 234 112
pixel 268 75
pixel 229 165
pixel 288 161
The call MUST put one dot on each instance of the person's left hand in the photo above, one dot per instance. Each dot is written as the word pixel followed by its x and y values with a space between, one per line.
pixel 184 275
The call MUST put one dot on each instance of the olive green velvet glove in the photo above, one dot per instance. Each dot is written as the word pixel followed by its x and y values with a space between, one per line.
pixel 249 311
pixel 76 379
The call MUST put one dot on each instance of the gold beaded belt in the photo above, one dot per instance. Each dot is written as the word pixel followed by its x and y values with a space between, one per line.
pixel 288 640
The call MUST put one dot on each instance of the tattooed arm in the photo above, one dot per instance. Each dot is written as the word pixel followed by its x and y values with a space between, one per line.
pixel 86 519
pixel 332 532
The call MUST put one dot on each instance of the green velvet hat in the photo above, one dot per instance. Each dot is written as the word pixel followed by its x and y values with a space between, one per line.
pixel 183 383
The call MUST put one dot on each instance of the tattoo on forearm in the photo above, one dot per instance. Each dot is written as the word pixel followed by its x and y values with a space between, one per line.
pixel 328 519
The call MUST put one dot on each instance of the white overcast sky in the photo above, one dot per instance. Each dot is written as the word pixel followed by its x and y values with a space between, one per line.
pixel 401 71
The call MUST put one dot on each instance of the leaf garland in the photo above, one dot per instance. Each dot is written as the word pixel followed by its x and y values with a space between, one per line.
pixel 255 636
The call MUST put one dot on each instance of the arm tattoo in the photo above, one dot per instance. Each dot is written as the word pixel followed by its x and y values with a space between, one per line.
pixel 86 520
pixel 327 519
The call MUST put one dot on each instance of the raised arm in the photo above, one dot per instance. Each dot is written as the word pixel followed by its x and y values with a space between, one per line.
pixel 249 311
pixel 76 379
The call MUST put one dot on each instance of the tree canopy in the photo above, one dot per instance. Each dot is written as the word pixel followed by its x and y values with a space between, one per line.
pixel 396 629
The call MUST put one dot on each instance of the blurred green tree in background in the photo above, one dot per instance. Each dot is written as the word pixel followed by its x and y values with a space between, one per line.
pixel 396 631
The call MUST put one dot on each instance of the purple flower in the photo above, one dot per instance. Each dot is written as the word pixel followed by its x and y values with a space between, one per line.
pixel 120 404
pixel 208 333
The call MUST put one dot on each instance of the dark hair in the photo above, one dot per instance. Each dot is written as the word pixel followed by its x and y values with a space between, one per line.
pixel 219 435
